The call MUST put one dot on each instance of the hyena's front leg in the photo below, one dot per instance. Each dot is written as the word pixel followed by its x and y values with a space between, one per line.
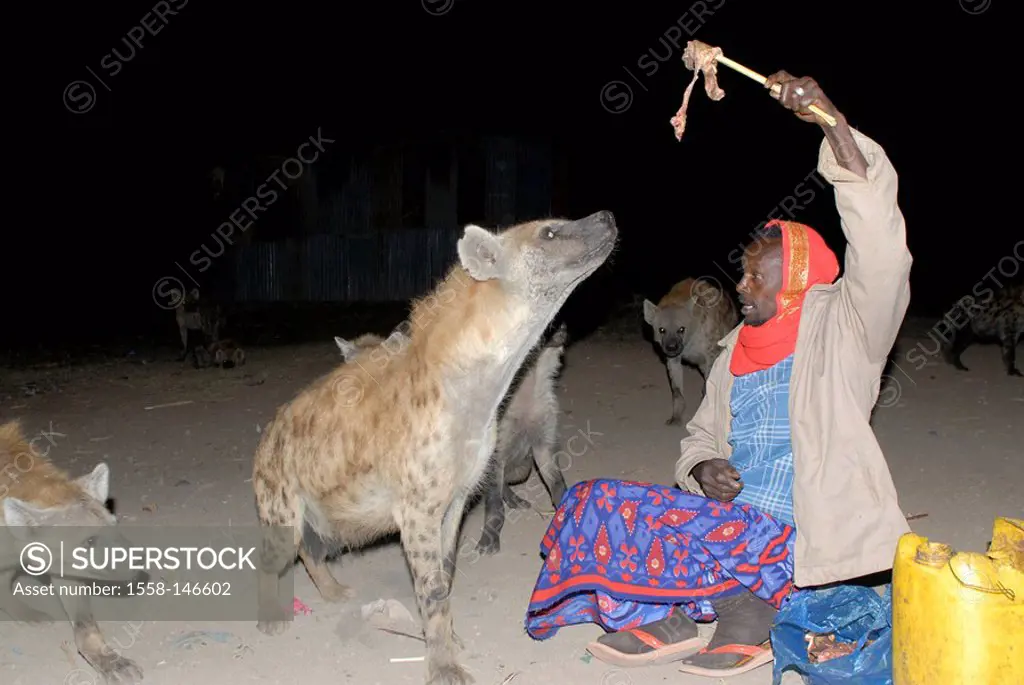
pixel 961 340
pixel 705 371
pixel 451 522
pixel 494 509
pixel 111 666
pixel 550 473
pixel 432 566
pixel 675 381
pixel 183 332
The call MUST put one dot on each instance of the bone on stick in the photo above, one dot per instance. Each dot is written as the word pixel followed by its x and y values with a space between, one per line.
pixel 701 57
pixel 698 57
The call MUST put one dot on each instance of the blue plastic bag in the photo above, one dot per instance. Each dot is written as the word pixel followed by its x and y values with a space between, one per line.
pixel 854 614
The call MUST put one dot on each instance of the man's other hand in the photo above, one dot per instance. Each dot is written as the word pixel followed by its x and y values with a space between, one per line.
pixel 718 479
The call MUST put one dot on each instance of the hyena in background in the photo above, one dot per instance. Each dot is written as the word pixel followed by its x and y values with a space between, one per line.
pixel 1000 319
pixel 199 325
pixel 688 322
pixel 371 342
pixel 351 348
pixel 527 431
pixel 226 354
pixel 401 442
pixel 36 495
pixel 528 427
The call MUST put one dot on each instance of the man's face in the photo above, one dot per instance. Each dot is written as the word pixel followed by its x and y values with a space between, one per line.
pixel 761 282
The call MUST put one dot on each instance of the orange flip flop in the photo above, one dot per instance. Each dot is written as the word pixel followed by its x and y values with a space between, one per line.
pixel 754 656
pixel 661 652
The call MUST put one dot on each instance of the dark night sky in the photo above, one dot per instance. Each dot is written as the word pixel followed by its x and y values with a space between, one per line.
pixel 236 78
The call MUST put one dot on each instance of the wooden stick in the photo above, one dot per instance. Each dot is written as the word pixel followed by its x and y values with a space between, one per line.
pixel 169 404
pixel 722 59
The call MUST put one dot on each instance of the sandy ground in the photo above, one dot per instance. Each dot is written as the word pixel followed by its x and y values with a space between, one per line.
pixel 953 441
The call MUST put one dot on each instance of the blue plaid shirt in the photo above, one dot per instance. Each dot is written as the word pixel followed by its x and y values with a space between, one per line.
pixel 760 440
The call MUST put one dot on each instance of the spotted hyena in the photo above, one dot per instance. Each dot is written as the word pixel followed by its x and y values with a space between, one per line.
pixel 1000 318
pixel 399 442
pixel 528 428
pixel 688 322
pixel 37 497
pixel 199 325
pixel 226 354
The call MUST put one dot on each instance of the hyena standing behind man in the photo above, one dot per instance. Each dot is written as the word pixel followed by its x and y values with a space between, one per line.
pixel 527 432
pixel 688 322
pixel 400 444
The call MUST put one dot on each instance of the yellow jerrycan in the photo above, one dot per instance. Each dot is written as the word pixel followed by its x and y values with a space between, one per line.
pixel 958 618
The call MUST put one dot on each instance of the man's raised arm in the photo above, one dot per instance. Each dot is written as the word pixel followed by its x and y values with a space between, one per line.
pixel 875 290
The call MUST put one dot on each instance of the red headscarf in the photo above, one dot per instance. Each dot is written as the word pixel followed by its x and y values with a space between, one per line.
pixel 806 261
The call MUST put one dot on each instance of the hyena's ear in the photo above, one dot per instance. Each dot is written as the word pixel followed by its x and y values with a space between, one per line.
pixel 399 336
pixel 559 337
pixel 480 253
pixel 19 516
pixel 650 309
pixel 345 346
pixel 97 483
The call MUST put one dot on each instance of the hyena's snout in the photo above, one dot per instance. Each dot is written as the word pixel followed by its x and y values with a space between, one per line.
pixel 672 345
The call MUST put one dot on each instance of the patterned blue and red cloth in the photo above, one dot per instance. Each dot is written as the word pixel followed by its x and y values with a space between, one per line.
pixel 621 554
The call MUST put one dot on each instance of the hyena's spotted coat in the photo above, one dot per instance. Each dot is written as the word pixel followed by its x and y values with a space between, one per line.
pixel 400 442
pixel 1000 318
pixel 527 427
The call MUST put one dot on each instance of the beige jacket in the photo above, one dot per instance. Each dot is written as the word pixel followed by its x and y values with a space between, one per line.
pixel 847 517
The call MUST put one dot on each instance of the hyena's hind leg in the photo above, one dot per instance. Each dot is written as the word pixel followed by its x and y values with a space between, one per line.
pixel 497 496
pixel 494 508
pixel 514 457
pixel 550 472
pixel 281 522
pixel 432 564
pixel 513 500
pixel 517 465
pixel 314 552
pixel 511 463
